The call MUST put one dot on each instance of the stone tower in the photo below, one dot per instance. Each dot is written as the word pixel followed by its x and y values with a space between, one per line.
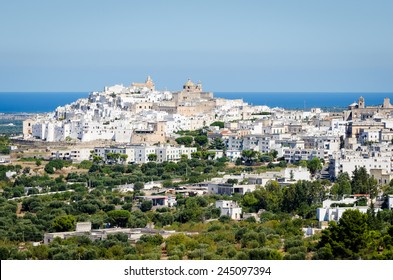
pixel 386 103
pixel 361 102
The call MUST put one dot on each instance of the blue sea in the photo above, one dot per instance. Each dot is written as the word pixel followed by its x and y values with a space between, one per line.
pixel 38 102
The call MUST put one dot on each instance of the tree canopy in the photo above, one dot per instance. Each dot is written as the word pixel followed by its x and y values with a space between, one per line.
pixel 314 165
pixel 220 124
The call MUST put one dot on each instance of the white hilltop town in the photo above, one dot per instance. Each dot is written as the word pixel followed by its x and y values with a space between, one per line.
pixel 135 114
pixel 138 120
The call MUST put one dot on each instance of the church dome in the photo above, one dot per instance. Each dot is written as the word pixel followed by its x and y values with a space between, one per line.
pixel 189 83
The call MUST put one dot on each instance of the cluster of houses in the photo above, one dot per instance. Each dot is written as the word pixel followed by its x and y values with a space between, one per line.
pixel 140 121
pixel 333 140
pixel 135 114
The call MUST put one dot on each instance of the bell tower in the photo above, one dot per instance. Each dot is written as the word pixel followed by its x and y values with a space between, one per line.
pixel 361 102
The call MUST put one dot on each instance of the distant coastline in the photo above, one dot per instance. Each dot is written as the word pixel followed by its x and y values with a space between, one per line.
pixel 41 102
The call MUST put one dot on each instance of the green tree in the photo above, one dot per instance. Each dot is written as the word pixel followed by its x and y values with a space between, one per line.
pixel 249 156
pixel 152 157
pixel 4 252
pixel 266 158
pixel 342 186
pixel 146 205
pixel 49 169
pixel 113 157
pixel 289 199
pixel 119 217
pixel 138 186
pixel 154 240
pixel 218 123
pixel 232 181
pixel 201 140
pixel 167 184
pixel 264 254
pixel 64 223
pixel 183 157
pixel 363 183
pixel 251 202
pixel 314 165
pixel 347 238
pixel 184 140
pixel 40 252
pixel 273 196
pixel 217 144
pixel 97 159
pixel 273 153
pixel 4 145
pixel 123 158
pixel 271 165
pixel 85 164
pixel 303 163
pixel 53 165
pixel 171 166
pixel 138 219
pixel 301 196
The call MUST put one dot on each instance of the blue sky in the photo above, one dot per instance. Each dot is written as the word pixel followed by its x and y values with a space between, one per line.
pixel 264 45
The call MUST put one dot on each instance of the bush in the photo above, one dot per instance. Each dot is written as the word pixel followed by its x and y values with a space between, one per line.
pixel 86 164
pixel 185 140
pixel 224 219
pixel 56 164
pixel 146 205
pixel 218 123
pixel 154 240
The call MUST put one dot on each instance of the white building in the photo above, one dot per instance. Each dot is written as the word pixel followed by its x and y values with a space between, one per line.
pixel 348 161
pixel 390 202
pixel 229 189
pixel 334 214
pixel 233 155
pixel 235 143
pixel 160 201
pixel 286 175
pixel 229 208
pixel 295 155
pixel 369 136
pixel 328 213
pixel 170 153
pixel 103 152
pixel 5 159
pixel 10 174
pixel 322 142
pixel 75 155
pixel 139 154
